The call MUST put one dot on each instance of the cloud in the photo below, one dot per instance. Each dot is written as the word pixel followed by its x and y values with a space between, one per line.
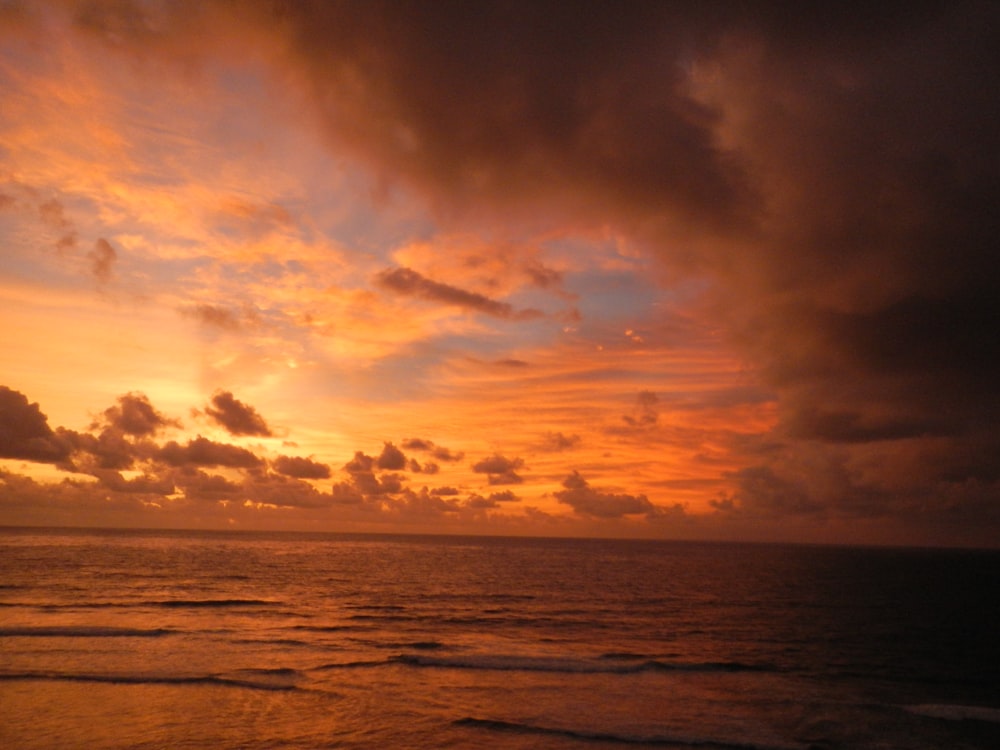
pixel 646 413
pixel 214 316
pixel 135 415
pixel 391 458
pixel 145 484
pixel 500 469
pixel 587 501
pixel 408 282
pixel 53 214
pixel 361 463
pixel 238 418
pixel 202 487
pixel 281 491
pixel 507 496
pixel 364 483
pixel 557 441
pixel 850 263
pixel 102 259
pixel 204 452
pixel 300 468
pixel 25 431
pixel 437 451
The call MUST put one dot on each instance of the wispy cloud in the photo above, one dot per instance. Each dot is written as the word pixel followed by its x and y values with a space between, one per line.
pixel 407 282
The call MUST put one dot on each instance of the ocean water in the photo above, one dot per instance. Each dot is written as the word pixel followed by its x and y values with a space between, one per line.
pixel 113 639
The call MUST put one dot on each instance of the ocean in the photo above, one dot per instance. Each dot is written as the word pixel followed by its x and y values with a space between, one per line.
pixel 143 639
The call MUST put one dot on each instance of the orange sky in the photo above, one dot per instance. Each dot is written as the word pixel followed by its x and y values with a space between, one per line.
pixel 487 269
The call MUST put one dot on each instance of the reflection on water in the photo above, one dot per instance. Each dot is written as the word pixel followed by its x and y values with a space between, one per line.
pixel 123 639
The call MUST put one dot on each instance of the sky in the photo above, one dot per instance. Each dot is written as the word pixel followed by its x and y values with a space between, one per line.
pixel 665 270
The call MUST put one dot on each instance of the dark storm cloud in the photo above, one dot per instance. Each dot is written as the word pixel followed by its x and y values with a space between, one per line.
pixel 238 418
pixel 204 452
pixel 300 468
pixel 585 500
pixel 25 431
pixel 408 282
pixel 500 469
pixel 831 174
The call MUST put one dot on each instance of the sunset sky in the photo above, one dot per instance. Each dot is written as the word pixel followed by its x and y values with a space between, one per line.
pixel 722 271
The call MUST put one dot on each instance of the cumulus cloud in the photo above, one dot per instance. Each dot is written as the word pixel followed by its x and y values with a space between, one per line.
pixel 204 452
pixel 145 484
pixel 203 487
pixel 363 482
pixel 557 441
pixel 300 468
pixel 437 451
pixel 500 469
pixel 587 501
pixel 25 431
pixel 407 282
pixel 281 491
pixel 135 415
pixel 391 458
pixel 238 418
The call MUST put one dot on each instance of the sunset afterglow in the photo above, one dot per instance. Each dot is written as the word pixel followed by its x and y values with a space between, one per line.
pixel 461 268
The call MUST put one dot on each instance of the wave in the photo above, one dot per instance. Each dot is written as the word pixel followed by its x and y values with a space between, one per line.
pixel 351 665
pixel 326 628
pixel 185 603
pixel 659 740
pixel 569 665
pixel 164 603
pixel 83 631
pixel 956 712
pixel 278 680
pixel 416 645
